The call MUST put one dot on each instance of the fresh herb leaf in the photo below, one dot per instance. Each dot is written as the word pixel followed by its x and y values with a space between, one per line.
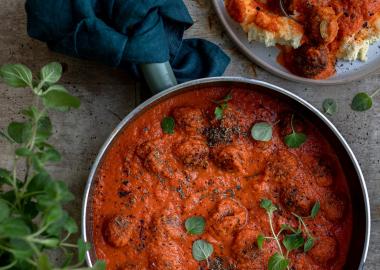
pixel 330 106
pixel 315 210
pixel 361 102
pixel 260 241
pixel 168 125
pixel 277 262
pixel 51 73
pixel 23 152
pixel 268 205
pixel 309 243
pixel 57 97
pixel 83 247
pixel 202 250
pixel 262 132
pixel 295 139
pixel 14 228
pixel 195 225
pixel 16 75
pixel 293 241
pixel 4 210
pixel 219 111
pixel 20 132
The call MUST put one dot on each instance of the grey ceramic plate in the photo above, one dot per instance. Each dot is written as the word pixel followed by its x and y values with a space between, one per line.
pixel 266 57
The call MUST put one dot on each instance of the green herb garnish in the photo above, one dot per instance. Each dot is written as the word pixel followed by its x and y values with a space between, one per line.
pixel 32 219
pixel 222 106
pixel 293 241
pixel 195 225
pixel 202 250
pixel 168 125
pixel 295 139
pixel 362 101
pixel 262 131
pixel 329 106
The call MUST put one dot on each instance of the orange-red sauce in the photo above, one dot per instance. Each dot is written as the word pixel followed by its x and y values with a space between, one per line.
pixel 149 183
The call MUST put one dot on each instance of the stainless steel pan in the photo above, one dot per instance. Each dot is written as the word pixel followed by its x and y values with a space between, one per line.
pixel 358 191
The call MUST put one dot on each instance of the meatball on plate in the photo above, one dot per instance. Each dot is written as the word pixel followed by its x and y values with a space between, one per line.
pixel 320 42
pixel 208 179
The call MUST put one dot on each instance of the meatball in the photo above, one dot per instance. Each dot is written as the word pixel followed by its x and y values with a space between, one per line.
pixel 323 25
pixel 168 255
pixel 159 163
pixel 281 167
pixel 324 250
pixel 144 149
pixel 193 153
pixel 333 206
pixel 298 199
pixel 118 231
pixel 311 61
pixel 190 119
pixel 231 158
pixel 229 216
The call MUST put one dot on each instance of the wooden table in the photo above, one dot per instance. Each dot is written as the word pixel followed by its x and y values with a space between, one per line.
pixel 108 94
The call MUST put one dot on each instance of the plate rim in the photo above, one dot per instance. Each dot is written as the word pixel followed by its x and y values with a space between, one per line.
pixel 275 71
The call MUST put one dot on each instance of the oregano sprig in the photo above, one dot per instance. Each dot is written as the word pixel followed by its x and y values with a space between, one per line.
pixel 32 218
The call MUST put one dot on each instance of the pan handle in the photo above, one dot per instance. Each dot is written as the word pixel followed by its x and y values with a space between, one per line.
pixel 159 76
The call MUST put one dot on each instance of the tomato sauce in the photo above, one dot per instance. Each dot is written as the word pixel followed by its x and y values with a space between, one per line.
pixel 150 182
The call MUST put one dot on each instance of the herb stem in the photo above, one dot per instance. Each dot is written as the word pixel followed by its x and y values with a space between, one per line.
pixel 375 93
pixel 274 234
pixel 69 245
pixel 9 266
pixel 303 224
pixel 291 123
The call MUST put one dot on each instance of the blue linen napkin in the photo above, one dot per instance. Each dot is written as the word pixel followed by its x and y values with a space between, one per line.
pixel 125 33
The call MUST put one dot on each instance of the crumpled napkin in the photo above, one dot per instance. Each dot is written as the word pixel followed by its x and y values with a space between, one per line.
pixel 125 33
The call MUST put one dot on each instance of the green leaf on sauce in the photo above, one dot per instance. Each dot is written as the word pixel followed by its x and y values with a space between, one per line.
pixel 293 241
pixel 260 241
pixel 168 125
pixel 195 225
pixel 202 250
pixel 315 210
pixel 219 111
pixel 295 139
pixel 268 206
pixel 329 106
pixel 277 262
pixel 361 102
pixel 308 244
pixel 262 131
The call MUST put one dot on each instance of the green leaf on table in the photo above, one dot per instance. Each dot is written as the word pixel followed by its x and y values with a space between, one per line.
pixel 43 263
pixel 31 112
pixel 361 102
pixel 167 125
pixel 23 152
pixel 262 132
pixel 260 241
pixel 39 182
pixel 293 241
pixel 44 129
pixel 309 243
pixel 16 75
pixel 20 132
pixel 4 210
pixel 315 210
pixel 51 73
pixel 52 214
pixel 277 262
pixel 70 225
pixel 83 247
pixel 202 250
pixel 57 97
pixel 195 225
pixel 5 177
pixel 268 205
pixel 14 228
pixel 50 154
pixel 330 106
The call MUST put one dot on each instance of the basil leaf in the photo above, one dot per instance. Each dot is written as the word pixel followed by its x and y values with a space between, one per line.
pixel 167 125
pixel 195 225
pixel 51 73
pixel 293 241
pixel 268 205
pixel 262 132
pixel 260 241
pixel 16 75
pixel 83 247
pixel 295 140
pixel 202 250
pixel 315 210
pixel 308 244
pixel 361 102
pixel 277 262
pixel 20 132
pixel 329 106
pixel 4 210
pixel 57 97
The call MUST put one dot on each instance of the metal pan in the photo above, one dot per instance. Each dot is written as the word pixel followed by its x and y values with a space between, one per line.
pixel 357 188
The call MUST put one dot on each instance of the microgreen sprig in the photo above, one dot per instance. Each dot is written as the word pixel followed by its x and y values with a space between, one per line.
pixel 222 106
pixel 32 219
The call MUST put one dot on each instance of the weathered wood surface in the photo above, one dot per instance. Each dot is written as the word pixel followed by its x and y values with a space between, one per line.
pixel 108 94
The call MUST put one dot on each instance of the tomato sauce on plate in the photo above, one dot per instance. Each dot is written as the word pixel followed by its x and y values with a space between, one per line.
pixel 150 182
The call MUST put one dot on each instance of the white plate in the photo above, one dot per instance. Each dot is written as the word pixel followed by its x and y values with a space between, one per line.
pixel 266 57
